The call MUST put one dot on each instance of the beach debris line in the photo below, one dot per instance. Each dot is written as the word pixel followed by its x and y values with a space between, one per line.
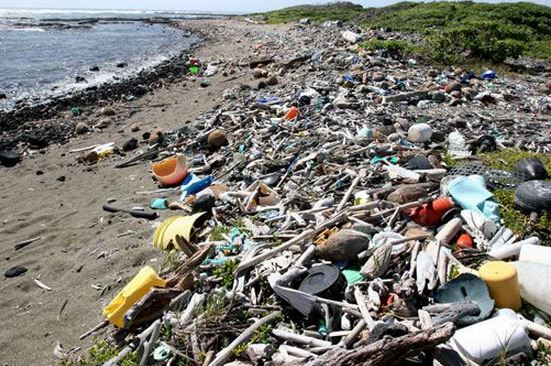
pixel 354 217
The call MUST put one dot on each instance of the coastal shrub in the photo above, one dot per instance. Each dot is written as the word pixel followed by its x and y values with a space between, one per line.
pixel 453 32
pixel 396 48
pixel 344 11
pixel 480 39
pixel 459 31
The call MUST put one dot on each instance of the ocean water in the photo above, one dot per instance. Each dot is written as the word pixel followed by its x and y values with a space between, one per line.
pixel 43 51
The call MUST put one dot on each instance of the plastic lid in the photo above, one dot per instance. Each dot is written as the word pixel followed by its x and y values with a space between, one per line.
pixel 320 279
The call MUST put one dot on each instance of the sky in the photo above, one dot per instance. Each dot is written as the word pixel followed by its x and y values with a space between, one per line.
pixel 205 5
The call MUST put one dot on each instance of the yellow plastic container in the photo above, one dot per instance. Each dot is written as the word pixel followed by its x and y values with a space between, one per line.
pixel 502 280
pixel 165 234
pixel 137 288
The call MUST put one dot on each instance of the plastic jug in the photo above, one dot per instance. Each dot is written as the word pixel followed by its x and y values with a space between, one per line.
pixel 487 340
pixel 137 288
pixel 457 147
pixel 535 253
pixel 535 283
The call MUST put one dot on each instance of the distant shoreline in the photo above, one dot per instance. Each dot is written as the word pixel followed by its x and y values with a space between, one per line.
pixel 136 85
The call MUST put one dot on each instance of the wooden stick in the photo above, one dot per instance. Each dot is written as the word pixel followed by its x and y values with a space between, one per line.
pixel 223 355
pixel 388 351
pixel 272 252
pixel 349 339
pixel 361 301
pixel 101 325
pixel 348 193
pixel 300 339
pixel 24 243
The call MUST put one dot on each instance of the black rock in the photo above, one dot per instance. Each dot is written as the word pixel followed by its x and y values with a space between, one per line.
pixel 80 79
pixel 304 99
pixel 37 140
pixel 130 144
pixel 15 272
pixel 3 96
pixel 94 68
pixel 9 158
pixel 61 178
pixel 122 64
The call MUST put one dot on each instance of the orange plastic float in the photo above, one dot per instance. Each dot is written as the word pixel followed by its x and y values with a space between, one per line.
pixel 464 241
pixel 171 171
pixel 291 114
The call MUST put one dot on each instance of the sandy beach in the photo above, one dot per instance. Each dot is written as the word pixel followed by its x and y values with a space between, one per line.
pixel 85 254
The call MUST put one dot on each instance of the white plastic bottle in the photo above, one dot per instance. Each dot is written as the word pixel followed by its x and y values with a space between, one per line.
pixel 457 147
pixel 489 339
pixel 535 284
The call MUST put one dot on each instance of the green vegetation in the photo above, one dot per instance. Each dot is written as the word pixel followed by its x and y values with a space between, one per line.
pixel 226 272
pixel 514 219
pixel 262 335
pixel 100 353
pixel 317 13
pixel 396 48
pixel 453 32
pixel 506 159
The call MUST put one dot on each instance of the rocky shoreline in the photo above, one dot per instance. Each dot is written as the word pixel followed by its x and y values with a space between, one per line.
pixel 41 124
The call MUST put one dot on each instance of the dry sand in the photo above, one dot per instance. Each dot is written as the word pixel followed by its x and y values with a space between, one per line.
pixel 85 254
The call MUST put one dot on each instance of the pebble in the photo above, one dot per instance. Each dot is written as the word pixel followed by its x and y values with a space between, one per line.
pixel 217 139
pixel 9 158
pixel 378 76
pixel 452 87
pixel 107 111
pixel 130 144
pixel 135 127
pixel 104 123
pixel 272 81
pixel 81 128
pixel 157 136
pixel 259 73
pixel 15 272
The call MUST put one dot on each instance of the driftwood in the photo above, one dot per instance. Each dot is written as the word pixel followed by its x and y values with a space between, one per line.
pixel 262 61
pixel 299 338
pixel 143 342
pixel 388 351
pixel 150 307
pixel 182 277
pixel 226 353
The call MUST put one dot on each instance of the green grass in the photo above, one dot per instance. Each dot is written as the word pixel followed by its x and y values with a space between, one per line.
pixel 262 335
pixel 514 219
pixel 226 272
pixel 507 158
pixel 453 32
pixel 99 354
